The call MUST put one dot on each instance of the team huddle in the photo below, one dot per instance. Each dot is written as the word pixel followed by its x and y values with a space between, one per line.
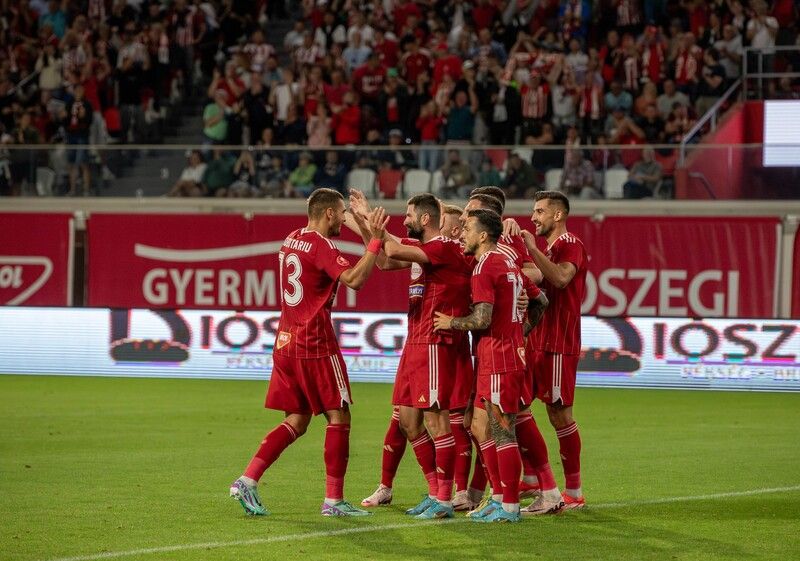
pixel 493 323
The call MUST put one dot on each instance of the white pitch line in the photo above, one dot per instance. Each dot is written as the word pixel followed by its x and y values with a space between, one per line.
pixel 365 529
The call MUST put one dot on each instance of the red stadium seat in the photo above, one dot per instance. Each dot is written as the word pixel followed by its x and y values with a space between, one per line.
pixel 389 182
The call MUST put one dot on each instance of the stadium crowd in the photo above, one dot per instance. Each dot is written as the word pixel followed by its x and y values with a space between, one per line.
pixel 545 75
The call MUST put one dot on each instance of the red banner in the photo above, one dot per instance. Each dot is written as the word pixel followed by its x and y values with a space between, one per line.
pixel 679 266
pixel 36 259
pixel 796 277
pixel 211 262
pixel 641 266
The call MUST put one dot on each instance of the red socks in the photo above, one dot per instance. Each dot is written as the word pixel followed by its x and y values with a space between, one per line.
pixel 337 452
pixel 463 451
pixel 492 467
pixel 479 473
pixel 530 440
pixel 394 446
pixel 426 457
pixel 445 446
pixel 271 447
pixel 510 465
pixel 570 444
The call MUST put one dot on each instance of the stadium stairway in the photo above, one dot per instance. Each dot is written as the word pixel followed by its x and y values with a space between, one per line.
pixel 155 171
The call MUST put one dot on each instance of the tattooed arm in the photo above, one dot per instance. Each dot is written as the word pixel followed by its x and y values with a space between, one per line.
pixel 480 318
pixel 536 309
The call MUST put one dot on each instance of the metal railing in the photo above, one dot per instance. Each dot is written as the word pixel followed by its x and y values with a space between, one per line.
pixel 710 118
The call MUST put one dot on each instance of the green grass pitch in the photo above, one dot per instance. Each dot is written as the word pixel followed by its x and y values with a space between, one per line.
pixel 100 468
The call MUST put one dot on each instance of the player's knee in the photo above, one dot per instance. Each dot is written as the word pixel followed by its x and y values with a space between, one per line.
pixel 560 417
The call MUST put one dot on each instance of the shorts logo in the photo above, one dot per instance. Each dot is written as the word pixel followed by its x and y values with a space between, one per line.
pixel 283 339
pixel 547 394
pixel 422 399
pixel 342 261
pixel 521 353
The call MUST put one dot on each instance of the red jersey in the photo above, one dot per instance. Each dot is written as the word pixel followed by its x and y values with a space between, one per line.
pixel 498 281
pixel 369 81
pixel 310 266
pixel 413 64
pixel 514 247
pixel 560 328
pixel 442 285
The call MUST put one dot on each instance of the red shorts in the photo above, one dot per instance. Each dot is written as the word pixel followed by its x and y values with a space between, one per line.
pixel 554 376
pixel 433 376
pixel 506 390
pixel 308 385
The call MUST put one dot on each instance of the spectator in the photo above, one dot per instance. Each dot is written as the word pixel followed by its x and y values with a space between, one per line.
pixel 396 157
pixel 244 170
pixel 23 165
pixel 414 61
pixel 229 82
pixel 393 102
pixel 488 174
pixel 712 82
pixel 457 176
pixel 346 122
pixel 535 104
pixel 293 130
pixel 133 61
pixel 255 105
pixel 652 125
pixel 577 177
pixel 618 98
pixel 190 182
pixel 360 26
pixel 563 96
pixel 78 121
pixel 762 29
pixel 648 98
pixel 730 51
pixel 386 49
pixel 332 174
pixel 319 128
pixel 461 117
pixel 680 121
pixel 49 64
pixel 215 122
pixel 218 174
pixel 55 17
pixel 520 179
pixel 667 100
pixel 644 178
pixel 356 53
pixel 429 124
pixel 273 180
pixel 577 60
pixel 687 64
pixel 301 179
pixel 294 38
pixel 284 95
pixel 331 32
pixel 486 47
pixel 368 79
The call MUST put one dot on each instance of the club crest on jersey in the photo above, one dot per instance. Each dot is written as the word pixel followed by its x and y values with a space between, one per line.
pixel 416 271
pixel 342 261
pixel 521 353
pixel 283 339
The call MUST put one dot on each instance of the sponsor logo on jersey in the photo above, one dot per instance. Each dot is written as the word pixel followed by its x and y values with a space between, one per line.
pixel 416 290
pixel 416 271
pixel 283 339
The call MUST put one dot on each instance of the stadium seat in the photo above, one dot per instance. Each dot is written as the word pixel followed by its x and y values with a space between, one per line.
pixel 499 157
pixel 615 178
pixel 416 181
pixel 363 180
pixel 389 183
pixel 45 180
pixel 552 179
pixel 437 182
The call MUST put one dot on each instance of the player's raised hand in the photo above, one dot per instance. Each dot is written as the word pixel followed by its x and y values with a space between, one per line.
pixel 511 228
pixel 377 223
pixel 359 203
pixel 529 239
pixel 441 321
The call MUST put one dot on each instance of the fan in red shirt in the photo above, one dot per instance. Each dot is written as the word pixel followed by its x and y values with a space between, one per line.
pixel 346 121
pixel 435 370
pixel 368 79
pixel 555 345
pixel 414 62
pixel 501 389
pixel 309 375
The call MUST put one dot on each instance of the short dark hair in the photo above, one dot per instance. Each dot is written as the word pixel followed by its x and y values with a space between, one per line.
pixel 489 202
pixel 492 191
pixel 488 221
pixel 322 199
pixel 557 196
pixel 426 203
